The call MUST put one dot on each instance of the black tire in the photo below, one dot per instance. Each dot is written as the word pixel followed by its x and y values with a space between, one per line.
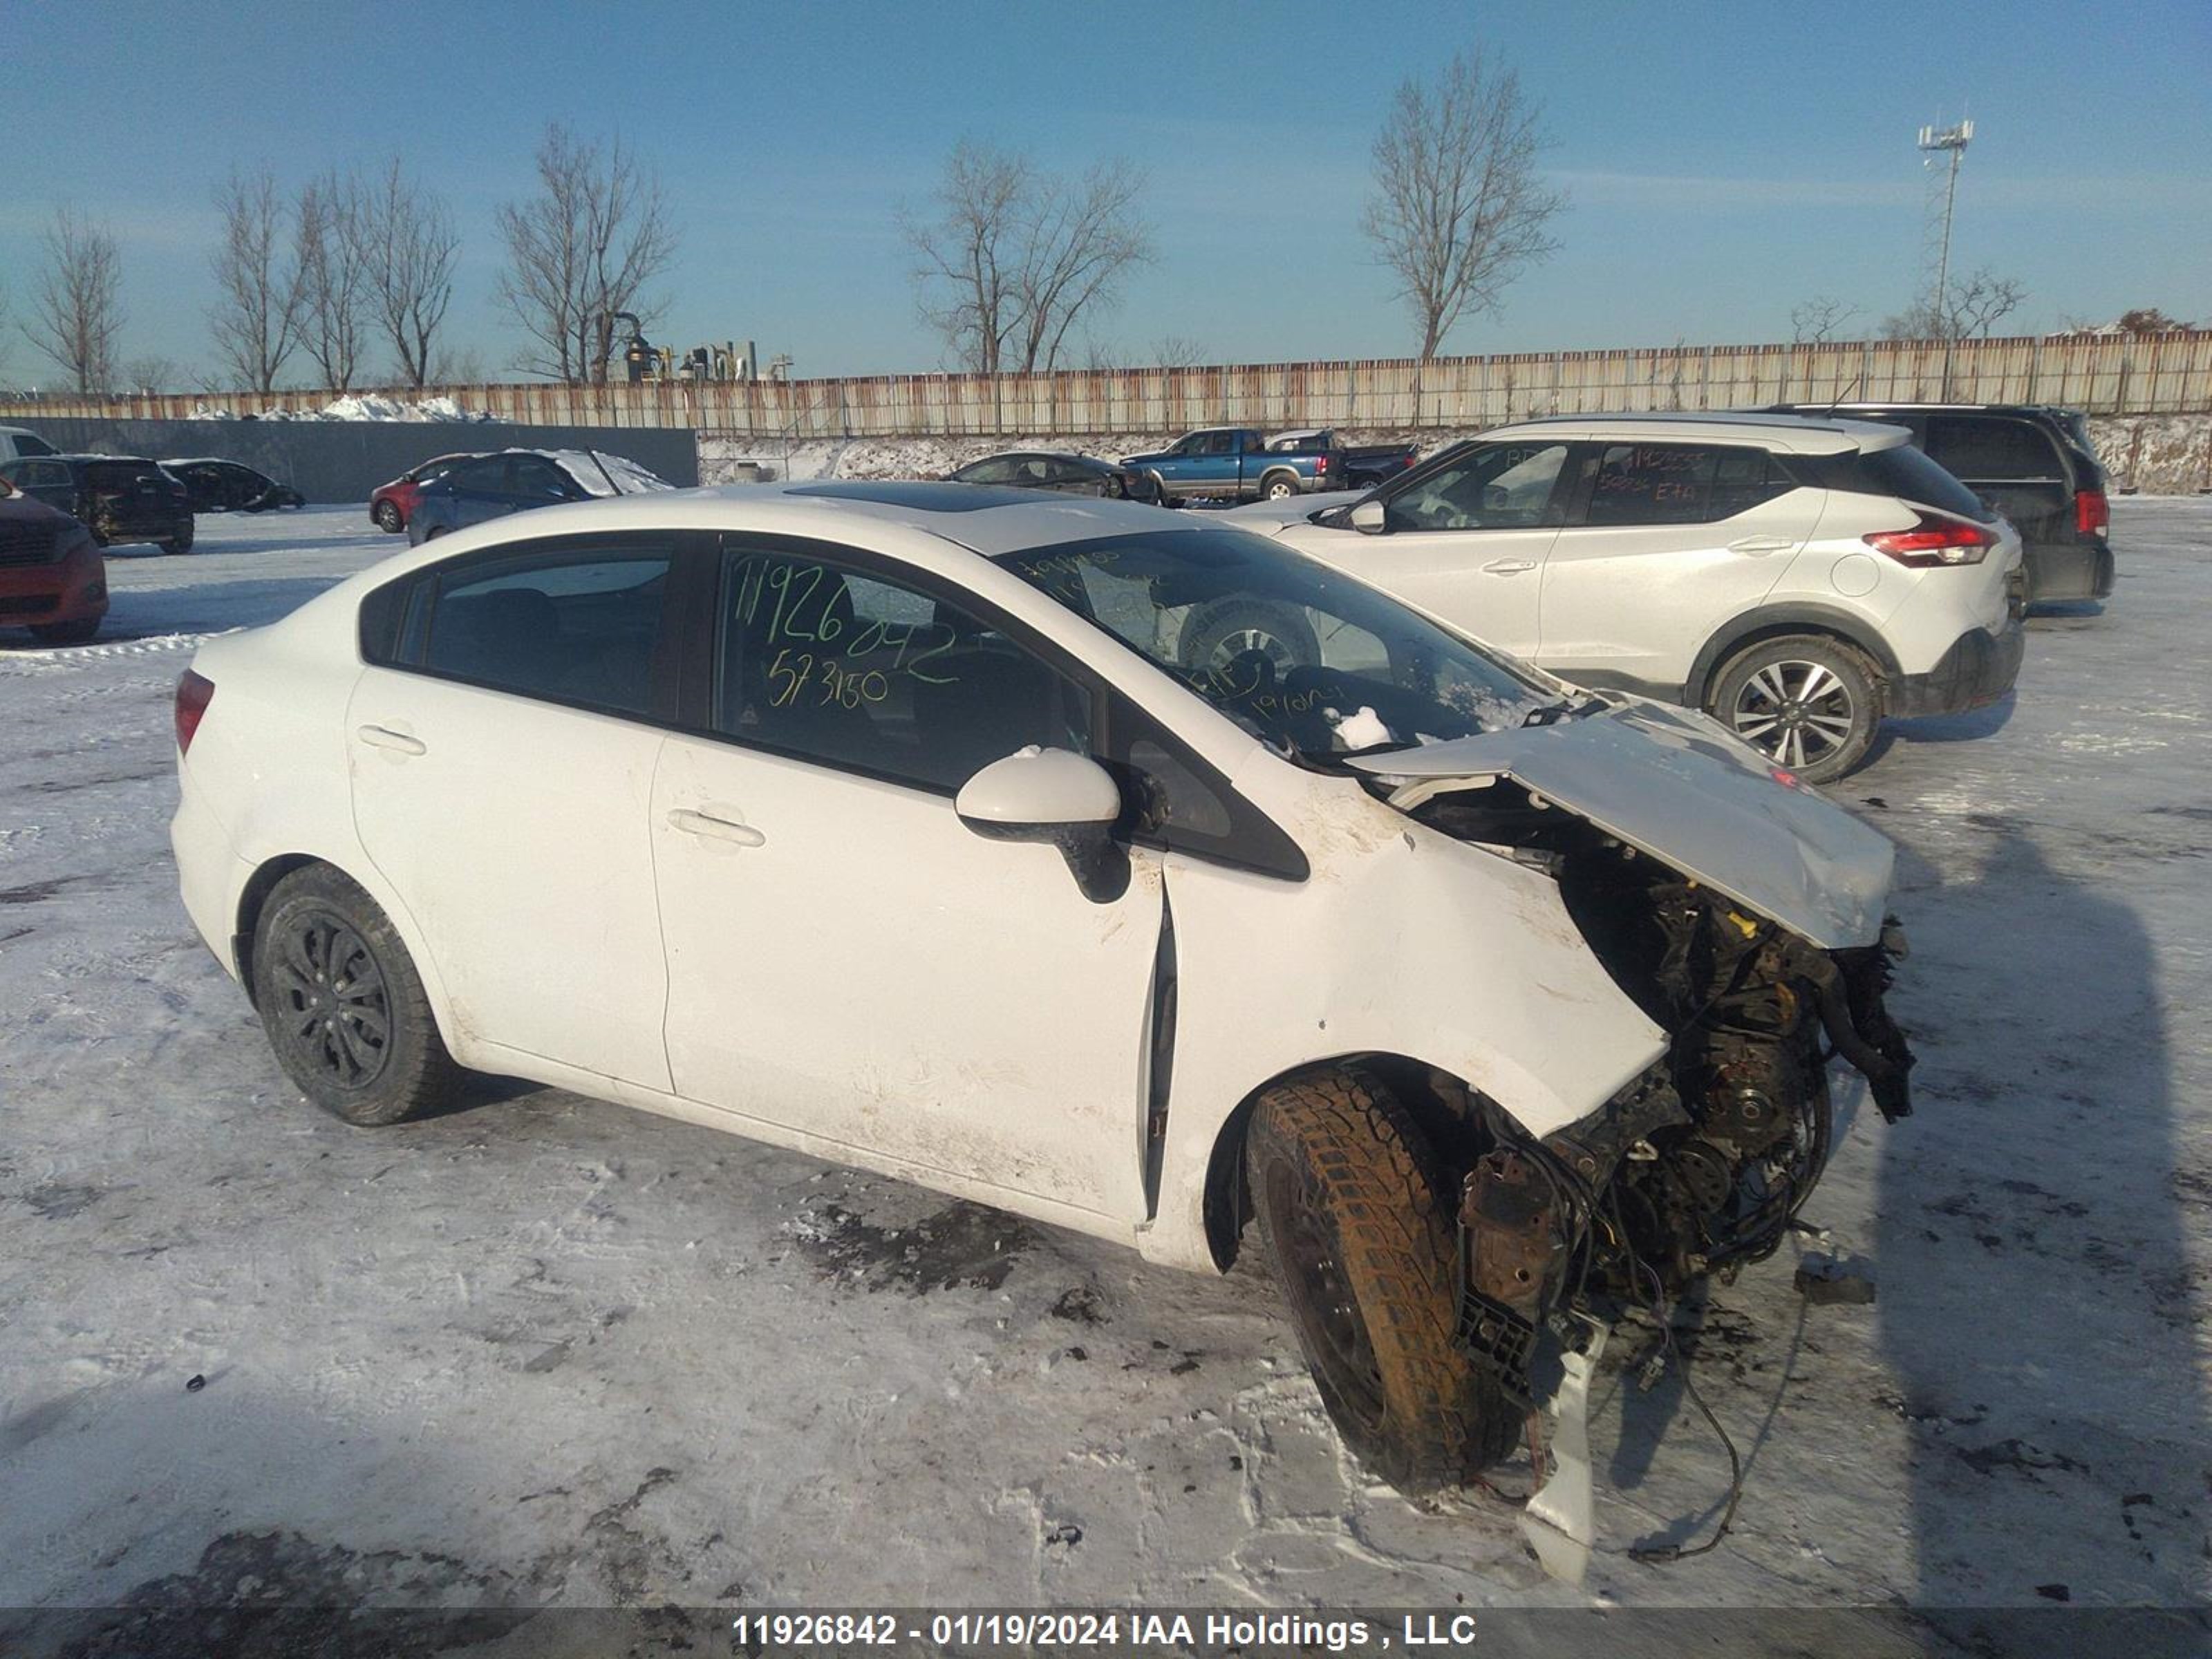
pixel 1160 490
pixel 179 543
pixel 1808 702
pixel 342 1004
pixel 386 514
pixel 1218 634
pixel 1362 1246
pixel 1279 486
pixel 78 632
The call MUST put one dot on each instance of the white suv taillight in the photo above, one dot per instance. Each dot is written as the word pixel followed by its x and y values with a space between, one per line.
pixel 1935 540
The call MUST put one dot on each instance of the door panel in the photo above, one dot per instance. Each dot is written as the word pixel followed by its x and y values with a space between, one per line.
pixel 517 839
pixel 1629 597
pixel 865 967
pixel 1469 542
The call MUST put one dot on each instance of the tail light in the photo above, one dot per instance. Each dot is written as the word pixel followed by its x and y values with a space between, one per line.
pixel 194 693
pixel 1935 541
pixel 1321 463
pixel 2090 515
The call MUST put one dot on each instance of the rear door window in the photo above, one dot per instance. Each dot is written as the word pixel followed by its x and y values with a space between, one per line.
pixel 1681 484
pixel 1993 451
pixel 574 624
pixel 1902 471
pixel 27 444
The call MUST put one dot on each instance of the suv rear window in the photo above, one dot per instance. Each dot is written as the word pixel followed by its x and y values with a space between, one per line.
pixel 120 475
pixel 1971 447
pixel 1902 471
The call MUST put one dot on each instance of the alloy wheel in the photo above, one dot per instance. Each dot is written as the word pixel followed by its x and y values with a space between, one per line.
pixel 1798 713
pixel 335 1012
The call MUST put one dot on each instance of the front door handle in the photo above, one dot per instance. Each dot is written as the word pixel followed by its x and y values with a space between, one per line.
pixel 1759 546
pixel 1510 567
pixel 714 829
pixel 382 736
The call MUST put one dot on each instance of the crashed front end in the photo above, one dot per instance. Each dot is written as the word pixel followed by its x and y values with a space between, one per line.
pixel 1745 916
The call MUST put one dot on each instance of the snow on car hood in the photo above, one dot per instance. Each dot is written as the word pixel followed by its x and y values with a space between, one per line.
pixel 1675 784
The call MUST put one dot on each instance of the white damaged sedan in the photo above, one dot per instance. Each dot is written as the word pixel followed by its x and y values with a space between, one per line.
pixel 890 821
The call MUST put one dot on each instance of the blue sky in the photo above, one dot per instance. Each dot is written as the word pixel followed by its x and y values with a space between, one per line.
pixel 1725 161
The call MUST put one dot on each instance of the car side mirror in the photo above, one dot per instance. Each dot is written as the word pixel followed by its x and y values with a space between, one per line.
pixel 1368 517
pixel 1054 796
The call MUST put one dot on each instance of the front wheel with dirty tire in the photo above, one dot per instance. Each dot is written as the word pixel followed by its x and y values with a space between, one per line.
pixel 344 1009
pixel 1362 1243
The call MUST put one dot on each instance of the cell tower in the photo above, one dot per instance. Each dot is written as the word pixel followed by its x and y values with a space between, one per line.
pixel 1942 197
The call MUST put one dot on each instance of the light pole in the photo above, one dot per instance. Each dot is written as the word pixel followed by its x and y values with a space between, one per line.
pixel 1953 141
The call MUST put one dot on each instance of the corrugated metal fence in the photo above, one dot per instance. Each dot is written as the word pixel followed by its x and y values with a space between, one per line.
pixel 2139 375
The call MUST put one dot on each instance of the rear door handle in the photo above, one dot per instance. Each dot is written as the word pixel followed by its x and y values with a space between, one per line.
pixel 382 736
pixel 1510 567
pixel 1759 546
pixel 714 829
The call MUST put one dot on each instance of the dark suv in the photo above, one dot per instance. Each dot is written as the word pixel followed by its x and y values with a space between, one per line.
pixel 120 498
pixel 2031 462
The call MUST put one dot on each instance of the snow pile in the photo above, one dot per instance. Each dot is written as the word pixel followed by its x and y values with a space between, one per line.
pixel 352 406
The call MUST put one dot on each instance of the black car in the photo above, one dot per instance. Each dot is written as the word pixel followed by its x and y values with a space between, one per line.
pixel 218 486
pixel 120 498
pixel 2031 462
pixel 1071 475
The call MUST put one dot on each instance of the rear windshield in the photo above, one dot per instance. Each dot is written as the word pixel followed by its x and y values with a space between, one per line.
pixel 1904 472
pixel 120 475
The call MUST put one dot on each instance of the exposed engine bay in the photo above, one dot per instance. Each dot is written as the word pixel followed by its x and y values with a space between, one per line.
pixel 1699 1167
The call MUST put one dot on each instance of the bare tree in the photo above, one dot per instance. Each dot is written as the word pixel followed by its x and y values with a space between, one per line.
pixel 1178 351
pixel 75 312
pixel 1819 320
pixel 1459 209
pixel 1012 259
pixel 257 313
pixel 331 261
pixel 1973 305
pixel 581 250
pixel 402 235
pixel 2148 319
pixel 152 373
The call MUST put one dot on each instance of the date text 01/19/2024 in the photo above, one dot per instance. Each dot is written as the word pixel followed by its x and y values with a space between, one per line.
pixel 1076 1630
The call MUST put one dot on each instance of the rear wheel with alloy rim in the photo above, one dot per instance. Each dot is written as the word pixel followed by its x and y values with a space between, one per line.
pixel 1808 703
pixel 342 1004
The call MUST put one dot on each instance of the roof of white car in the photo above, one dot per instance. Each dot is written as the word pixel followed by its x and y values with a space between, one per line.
pixel 1796 434
pixel 986 518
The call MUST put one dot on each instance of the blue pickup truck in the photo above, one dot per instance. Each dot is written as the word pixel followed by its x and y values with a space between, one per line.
pixel 1233 463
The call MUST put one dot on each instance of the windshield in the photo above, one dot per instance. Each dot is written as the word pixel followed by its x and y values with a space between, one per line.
pixel 1306 659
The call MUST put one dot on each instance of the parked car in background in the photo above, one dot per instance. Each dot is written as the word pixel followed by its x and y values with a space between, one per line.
pixel 52 579
pixel 21 440
pixel 2035 464
pixel 482 487
pixel 390 504
pixel 1233 463
pixel 879 820
pixel 1363 466
pixel 218 486
pixel 120 498
pixel 1071 475
pixel 1798 578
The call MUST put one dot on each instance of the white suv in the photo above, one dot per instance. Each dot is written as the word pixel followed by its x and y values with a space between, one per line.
pixel 1800 579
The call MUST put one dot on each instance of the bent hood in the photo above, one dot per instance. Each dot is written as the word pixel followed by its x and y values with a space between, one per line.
pixel 1677 786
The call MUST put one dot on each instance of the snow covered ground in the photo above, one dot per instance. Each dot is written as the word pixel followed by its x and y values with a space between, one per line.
pixel 543 1349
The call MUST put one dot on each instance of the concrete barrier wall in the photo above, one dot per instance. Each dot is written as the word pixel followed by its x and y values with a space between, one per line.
pixel 343 460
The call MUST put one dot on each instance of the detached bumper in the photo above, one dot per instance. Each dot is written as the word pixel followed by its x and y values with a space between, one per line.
pixel 1979 668
pixel 2068 570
